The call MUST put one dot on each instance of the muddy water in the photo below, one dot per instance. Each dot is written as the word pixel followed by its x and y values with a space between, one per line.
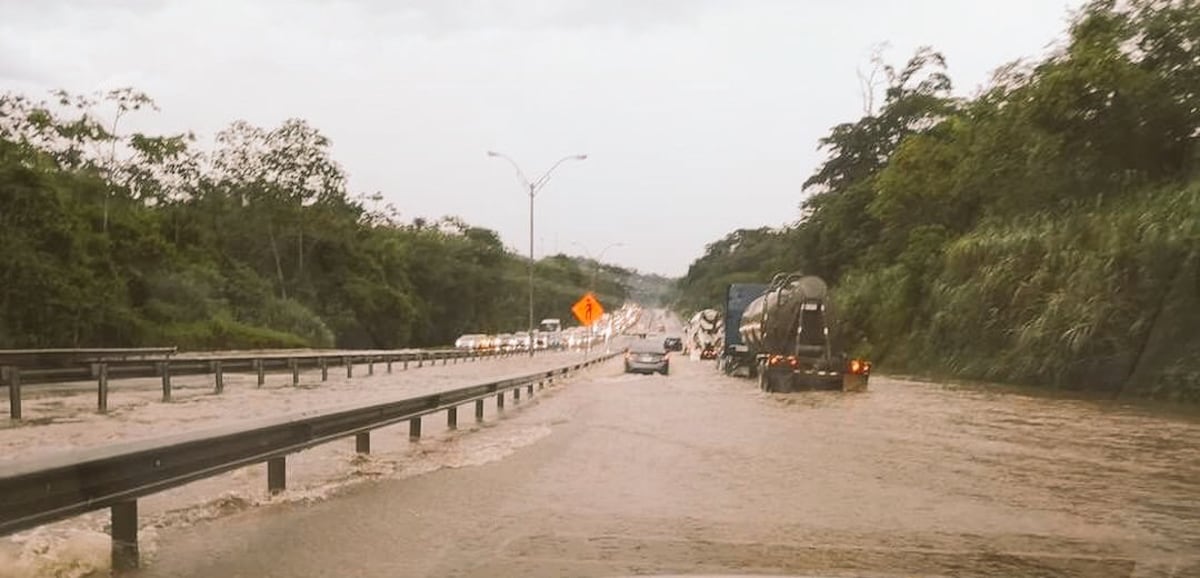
pixel 700 473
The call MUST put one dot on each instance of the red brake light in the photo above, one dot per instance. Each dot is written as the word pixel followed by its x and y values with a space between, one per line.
pixel 860 367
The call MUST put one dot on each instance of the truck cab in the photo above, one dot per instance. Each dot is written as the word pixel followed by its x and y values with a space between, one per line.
pixel 736 355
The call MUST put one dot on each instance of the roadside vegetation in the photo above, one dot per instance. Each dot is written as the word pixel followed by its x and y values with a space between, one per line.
pixel 1045 231
pixel 110 238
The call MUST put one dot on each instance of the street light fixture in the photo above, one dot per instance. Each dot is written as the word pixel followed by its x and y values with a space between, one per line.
pixel 532 187
pixel 596 258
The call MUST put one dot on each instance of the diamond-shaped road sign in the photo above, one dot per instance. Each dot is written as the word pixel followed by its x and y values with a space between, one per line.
pixel 587 310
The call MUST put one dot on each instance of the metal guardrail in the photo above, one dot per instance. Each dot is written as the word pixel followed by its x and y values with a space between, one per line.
pixel 20 368
pixel 39 491
pixel 58 357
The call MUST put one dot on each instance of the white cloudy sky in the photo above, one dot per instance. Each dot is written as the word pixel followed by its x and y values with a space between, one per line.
pixel 698 117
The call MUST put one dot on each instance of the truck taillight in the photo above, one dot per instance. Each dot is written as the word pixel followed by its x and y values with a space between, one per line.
pixel 860 366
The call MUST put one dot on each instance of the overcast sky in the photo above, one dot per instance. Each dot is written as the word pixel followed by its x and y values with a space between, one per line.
pixel 698 117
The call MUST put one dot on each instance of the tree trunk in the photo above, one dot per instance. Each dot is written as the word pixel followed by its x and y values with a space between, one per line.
pixel 278 263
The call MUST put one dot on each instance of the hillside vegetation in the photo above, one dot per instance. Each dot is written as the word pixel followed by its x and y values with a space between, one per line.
pixel 112 239
pixel 1046 231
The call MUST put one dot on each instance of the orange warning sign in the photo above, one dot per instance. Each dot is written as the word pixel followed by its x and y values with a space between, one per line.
pixel 588 309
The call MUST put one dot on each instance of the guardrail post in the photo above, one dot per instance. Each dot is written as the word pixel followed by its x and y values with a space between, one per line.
pixel 478 410
pixel 541 385
pixel 405 365
pixel 517 394
pixel 444 358
pixel 414 429
pixel 362 442
pixel 500 401
pixel 219 374
pixel 14 392
pixel 324 370
pixel 529 391
pixel 452 418
pixel 295 365
pixel 420 359
pixel 102 390
pixel 349 367
pixel 164 369
pixel 277 474
pixel 261 372
pixel 371 365
pixel 389 362
pixel 124 535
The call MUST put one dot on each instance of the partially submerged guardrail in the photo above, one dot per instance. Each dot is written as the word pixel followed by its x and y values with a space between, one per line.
pixel 44 490
pixel 26 367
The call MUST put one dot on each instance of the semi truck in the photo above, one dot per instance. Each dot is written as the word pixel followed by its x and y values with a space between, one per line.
pixel 735 356
pixel 550 335
pixel 785 332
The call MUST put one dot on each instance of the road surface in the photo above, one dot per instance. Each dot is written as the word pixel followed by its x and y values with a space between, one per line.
pixel 699 473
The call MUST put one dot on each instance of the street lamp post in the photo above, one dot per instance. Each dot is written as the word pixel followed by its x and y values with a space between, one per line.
pixel 532 187
pixel 596 259
pixel 592 287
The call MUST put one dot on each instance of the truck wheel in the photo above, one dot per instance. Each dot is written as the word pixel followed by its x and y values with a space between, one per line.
pixel 764 378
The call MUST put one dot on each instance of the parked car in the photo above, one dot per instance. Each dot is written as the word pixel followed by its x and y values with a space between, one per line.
pixel 673 344
pixel 646 356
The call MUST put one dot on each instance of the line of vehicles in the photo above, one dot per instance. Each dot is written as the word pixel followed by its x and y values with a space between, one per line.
pixel 551 335
pixel 779 334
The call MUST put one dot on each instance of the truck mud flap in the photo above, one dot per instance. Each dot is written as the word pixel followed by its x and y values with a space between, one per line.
pixel 854 382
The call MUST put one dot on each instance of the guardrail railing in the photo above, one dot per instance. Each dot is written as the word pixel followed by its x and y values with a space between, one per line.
pixel 43 490
pixel 25 367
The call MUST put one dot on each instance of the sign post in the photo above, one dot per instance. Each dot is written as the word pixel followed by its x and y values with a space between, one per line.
pixel 588 311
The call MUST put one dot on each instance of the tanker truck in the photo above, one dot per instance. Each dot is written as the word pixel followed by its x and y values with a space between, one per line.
pixel 786 330
pixel 702 336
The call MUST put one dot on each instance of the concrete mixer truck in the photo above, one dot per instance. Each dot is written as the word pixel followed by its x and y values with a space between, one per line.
pixel 786 330
pixel 702 335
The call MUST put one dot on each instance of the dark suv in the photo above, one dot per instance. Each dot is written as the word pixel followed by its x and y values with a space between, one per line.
pixel 673 344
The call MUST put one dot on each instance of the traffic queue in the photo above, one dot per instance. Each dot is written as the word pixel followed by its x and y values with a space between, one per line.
pixel 551 335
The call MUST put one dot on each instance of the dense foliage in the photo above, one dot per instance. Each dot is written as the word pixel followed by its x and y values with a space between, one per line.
pixel 1045 231
pixel 109 239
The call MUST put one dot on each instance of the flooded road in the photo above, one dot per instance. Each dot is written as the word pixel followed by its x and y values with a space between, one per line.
pixel 701 473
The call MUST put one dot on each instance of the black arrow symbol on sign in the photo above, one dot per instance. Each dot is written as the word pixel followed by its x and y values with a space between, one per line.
pixel 589 311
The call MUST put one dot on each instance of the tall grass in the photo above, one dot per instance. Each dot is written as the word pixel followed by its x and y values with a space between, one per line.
pixel 1104 297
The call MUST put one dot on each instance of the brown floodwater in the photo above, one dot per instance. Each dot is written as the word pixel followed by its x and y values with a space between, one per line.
pixel 701 473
